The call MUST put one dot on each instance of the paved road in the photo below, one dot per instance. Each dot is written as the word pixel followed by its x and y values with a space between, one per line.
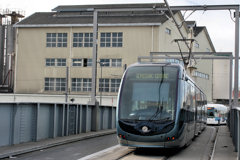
pixel 72 151
pixel 106 148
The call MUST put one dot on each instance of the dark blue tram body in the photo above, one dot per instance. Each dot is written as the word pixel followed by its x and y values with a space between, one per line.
pixel 159 106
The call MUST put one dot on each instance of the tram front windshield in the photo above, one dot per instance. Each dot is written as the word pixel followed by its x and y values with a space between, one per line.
pixel 149 93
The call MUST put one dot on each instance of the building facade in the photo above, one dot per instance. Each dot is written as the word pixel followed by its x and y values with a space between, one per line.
pixel 54 49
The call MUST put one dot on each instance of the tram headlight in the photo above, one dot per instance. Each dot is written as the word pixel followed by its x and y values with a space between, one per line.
pixel 122 136
pixel 171 138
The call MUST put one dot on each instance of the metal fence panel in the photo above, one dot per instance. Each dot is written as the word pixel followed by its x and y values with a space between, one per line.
pixel 45 121
pixel 72 119
pixel 29 122
pixel 89 118
pixel 234 125
pixel 59 120
pixel 5 124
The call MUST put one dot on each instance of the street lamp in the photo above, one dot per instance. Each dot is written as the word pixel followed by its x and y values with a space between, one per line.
pixel 100 90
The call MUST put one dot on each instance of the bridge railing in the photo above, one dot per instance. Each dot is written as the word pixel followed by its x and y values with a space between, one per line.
pixel 29 122
pixel 234 125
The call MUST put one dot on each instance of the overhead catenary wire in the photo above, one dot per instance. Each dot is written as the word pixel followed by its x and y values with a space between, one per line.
pixel 186 62
pixel 171 13
pixel 186 17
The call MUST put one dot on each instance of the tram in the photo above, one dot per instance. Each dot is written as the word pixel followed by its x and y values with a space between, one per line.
pixel 159 106
pixel 216 114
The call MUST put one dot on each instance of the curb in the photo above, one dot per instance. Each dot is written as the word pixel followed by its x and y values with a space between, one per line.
pixel 55 142
pixel 214 140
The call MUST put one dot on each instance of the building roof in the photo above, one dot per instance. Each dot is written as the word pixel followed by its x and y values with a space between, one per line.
pixel 67 8
pixel 197 30
pixel 191 23
pixel 83 15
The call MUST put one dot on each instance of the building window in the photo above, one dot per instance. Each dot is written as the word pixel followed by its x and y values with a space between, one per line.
pixel 76 62
pixel 168 31
pixel 56 62
pixel 105 62
pixel 114 39
pixel 115 83
pixel 60 84
pixel 85 62
pixel 200 75
pixel 77 39
pixel 196 45
pixel 175 61
pixel 50 62
pixel 111 62
pixel 51 39
pixel 87 84
pixel 61 62
pixel 49 84
pixel 88 39
pixel 56 40
pixel 81 84
pixel 117 39
pixel 105 40
pixel 89 62
pixel 109 85
pixel 55 84
pixel 62 40
pixel 76 84
pixel 82 39
pixel 103 85
pixel 116 62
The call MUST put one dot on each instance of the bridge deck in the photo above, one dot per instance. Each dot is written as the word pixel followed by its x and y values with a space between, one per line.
pixel 222 146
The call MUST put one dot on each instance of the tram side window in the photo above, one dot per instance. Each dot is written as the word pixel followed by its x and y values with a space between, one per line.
pixel 187 100
pixel 190 101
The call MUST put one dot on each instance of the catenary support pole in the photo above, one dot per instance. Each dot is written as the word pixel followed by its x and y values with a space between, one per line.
pixel 235 101
pixel 230 82
pixel 94 57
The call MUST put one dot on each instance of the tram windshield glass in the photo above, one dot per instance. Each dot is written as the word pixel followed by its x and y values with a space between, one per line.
pixel 149 93
pixel 211 112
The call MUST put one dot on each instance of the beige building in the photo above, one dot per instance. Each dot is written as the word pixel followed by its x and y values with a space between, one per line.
pixel 221 80
pixel 54 49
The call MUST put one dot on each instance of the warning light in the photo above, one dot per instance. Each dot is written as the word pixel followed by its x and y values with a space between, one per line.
pixel 168 138
pixel 173 138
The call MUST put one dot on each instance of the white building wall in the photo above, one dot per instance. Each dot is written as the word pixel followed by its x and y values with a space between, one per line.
pixel 221 77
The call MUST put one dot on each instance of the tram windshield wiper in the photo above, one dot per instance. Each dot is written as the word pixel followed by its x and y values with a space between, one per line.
pixel 160 105
pixel 158 111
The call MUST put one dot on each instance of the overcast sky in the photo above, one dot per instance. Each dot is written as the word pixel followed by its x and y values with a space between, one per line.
pixel 219 23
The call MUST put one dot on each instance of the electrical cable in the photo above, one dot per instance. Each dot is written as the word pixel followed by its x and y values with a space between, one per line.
pixel 186 18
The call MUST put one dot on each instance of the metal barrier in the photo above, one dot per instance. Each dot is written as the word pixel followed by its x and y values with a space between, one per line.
pixel 234 125
pixel 27 122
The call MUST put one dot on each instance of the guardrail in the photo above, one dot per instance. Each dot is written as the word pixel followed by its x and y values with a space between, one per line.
pixel 234 125
pixel 29 122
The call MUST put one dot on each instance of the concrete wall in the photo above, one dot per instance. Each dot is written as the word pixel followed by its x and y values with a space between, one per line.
pixel 221 70
pixel 48 98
